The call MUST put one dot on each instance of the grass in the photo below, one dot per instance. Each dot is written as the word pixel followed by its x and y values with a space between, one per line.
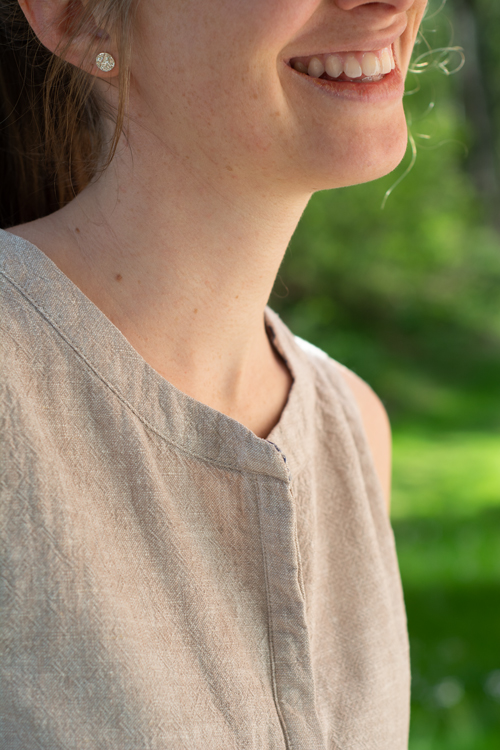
pixel 446 518
pixel 445 475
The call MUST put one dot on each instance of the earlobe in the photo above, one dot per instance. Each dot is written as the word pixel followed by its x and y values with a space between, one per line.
pixel 105 62
pixel 69 30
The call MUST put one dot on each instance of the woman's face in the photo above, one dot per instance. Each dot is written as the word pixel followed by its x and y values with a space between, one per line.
pixel 222 84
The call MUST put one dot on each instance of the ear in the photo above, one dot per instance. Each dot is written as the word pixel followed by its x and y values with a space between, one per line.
pixel 55 22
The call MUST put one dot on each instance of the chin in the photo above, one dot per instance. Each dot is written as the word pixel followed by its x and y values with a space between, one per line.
pixel 367 155
pixel 378 162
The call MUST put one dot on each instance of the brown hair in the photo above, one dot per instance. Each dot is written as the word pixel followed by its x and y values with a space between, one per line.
pixel 51 118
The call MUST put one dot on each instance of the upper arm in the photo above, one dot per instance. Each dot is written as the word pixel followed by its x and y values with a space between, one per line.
pixel 377 427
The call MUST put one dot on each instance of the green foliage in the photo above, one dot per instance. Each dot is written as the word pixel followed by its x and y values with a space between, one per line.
pixel 455 664
pixel 450 475
pixel 446 519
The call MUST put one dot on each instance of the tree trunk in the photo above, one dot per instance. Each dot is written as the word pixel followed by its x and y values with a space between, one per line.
pixel 478 100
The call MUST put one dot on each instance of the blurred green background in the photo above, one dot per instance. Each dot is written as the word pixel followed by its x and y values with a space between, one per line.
pixel 408 296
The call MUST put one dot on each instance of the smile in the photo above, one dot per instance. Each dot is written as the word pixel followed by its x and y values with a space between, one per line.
pixel 350 67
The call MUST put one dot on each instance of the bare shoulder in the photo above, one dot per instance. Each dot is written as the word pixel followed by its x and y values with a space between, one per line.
pixel 376 424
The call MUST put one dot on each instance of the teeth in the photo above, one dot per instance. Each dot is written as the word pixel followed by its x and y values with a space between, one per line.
pixel 371 65
pixel 386 61
pixel 315 68
pixel 297 65
pixel 353 65
pixel 334 66
pixel 352 68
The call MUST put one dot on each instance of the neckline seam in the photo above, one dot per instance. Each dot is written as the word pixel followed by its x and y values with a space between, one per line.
pixel 116 392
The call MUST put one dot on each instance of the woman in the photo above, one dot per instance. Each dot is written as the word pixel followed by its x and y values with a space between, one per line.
pixel 197 548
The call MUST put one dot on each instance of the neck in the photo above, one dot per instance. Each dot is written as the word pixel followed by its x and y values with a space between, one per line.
pixel 183 260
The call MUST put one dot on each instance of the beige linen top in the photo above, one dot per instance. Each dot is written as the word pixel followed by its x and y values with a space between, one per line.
pixel 170 581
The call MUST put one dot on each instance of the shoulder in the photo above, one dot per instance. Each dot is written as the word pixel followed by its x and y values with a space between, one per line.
pixel 372 411
pixel 376 424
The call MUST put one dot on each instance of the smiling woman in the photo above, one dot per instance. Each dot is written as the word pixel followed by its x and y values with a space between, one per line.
pixel 196 543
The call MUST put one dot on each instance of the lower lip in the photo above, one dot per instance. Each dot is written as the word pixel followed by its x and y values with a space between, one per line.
pixel 389 88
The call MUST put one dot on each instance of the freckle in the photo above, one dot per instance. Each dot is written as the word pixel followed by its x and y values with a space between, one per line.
pixel 237 296
pixel 195 310
pixel 77 230
pixel 229 169
pixel 118 277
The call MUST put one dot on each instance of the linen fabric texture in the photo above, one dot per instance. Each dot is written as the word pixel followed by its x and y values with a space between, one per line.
pixel 170 581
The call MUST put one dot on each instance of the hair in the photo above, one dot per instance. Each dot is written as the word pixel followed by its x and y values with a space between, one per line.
pixel 52 139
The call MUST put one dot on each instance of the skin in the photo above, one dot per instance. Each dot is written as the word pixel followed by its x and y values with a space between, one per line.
pixel 180 240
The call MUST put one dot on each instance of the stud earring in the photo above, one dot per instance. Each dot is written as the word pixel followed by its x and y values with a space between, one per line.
pixel 105 62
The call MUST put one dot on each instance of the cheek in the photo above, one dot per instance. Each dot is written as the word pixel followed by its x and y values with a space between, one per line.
pixel 414 21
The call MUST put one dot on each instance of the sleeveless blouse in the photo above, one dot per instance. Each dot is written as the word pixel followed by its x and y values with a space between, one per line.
pixel 170 581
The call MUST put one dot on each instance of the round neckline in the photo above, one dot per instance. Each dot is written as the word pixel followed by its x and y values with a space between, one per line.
pixel 178 418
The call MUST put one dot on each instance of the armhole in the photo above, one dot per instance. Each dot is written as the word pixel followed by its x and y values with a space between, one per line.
pixel 376 425
pixel 373 416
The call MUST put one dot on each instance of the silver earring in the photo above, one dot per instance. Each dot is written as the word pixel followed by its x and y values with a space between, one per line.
pixel 105 61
